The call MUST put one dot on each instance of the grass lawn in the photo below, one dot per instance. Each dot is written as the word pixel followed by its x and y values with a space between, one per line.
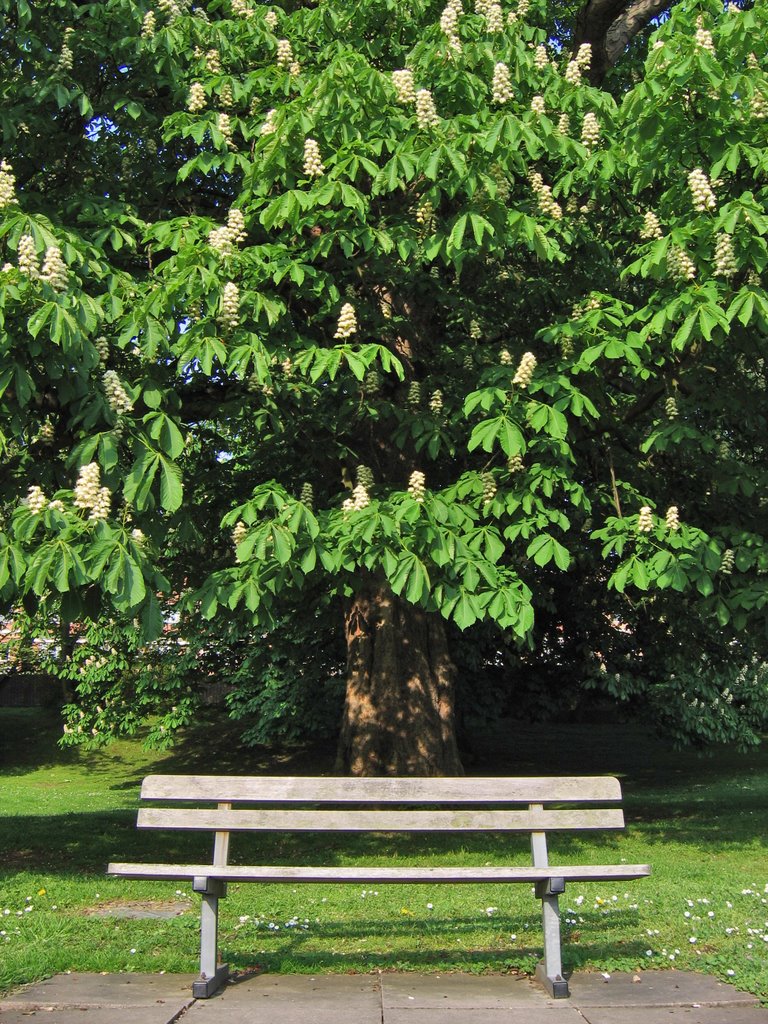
pixel 699 821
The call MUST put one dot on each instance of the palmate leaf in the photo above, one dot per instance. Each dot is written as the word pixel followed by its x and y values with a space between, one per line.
pixel 138 488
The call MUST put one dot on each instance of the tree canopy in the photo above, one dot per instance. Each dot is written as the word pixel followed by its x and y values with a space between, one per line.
pixel 403 319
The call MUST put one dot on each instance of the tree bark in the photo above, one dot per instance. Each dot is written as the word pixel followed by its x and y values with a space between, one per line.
pixel 399 710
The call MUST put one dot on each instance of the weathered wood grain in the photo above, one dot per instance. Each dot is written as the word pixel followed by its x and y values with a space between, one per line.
pixel 267 789
pixel 378 821
pixel 382 875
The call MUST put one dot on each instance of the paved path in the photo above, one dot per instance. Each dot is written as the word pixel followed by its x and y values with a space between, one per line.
pixel 658 997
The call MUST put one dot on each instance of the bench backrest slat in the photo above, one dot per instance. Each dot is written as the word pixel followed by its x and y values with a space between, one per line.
pixel 277 789
pixel 345 820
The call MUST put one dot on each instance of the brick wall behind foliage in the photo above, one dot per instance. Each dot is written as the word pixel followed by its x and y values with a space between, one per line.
pixel 28 691
pixel 215 693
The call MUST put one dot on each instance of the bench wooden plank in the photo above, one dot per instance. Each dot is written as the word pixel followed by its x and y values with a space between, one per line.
pixel 378 821
pixel 382 875
pixel 228 789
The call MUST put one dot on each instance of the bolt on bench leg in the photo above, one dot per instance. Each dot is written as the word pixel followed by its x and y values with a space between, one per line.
pixel 212 974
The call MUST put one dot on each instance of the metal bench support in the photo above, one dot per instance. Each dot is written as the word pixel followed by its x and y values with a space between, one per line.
pixel 549 972
pixel 212 974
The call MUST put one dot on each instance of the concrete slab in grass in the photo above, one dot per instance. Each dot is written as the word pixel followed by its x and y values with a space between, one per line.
pixel 732 1014
pixel 293 999
pixel 655 988
pixel 460 991
pixel 110 991
pixel 139 909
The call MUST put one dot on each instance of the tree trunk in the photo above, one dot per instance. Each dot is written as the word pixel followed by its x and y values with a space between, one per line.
pixel 399 710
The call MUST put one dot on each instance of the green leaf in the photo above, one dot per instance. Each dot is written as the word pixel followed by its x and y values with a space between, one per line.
pixel 485 433
pixel 151 618
pixel 511 438
pixel 418 583
pixel 11 563
pixel 109 452
pixel 133 589
pixel 209 604
pixel 723 612
pixel 619 578
pixel 40 318
pixel 480 227
pixel 456 236
pixel 432 166
pixel 138 483
pixel 494 546
pixel 562 555
pixel 705 586
pixel 308 561
pixel 171 491
pixel 168 436
pixel 403 570
pixel 152 396
pixel 466 611
pixel 639 574
pixel 542 549
pixel 283 544
pixel 63 326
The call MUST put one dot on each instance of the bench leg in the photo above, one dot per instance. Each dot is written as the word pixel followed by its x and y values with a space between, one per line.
pixel 212 973
pixel 549 973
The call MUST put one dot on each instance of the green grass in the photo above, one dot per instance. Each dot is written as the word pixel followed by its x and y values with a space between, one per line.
pixel 700 823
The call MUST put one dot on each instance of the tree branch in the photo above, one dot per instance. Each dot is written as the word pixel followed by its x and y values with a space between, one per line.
pixel 610 26
pixel 629 24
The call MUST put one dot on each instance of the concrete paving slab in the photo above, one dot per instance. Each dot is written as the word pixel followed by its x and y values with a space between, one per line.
pixel 293 999
pixel 330 988
pixel 279 1012
pixel 655 988
pixel 733 1014
pixel 517 1015
pixel 90 991
pixel 94 1015
pixel 459 991
pixel 660 997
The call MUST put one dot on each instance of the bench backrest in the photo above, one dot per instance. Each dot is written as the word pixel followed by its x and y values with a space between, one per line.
pixel 377 804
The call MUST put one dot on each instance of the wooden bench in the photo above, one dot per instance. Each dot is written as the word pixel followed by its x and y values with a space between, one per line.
pixel 408 805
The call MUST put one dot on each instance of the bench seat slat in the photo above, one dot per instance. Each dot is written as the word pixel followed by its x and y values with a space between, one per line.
pixel 228 789
pixel 363 875
pixel 378 821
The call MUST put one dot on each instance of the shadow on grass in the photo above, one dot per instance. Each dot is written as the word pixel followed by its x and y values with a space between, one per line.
pixel 648 765
pixel 495 952
pixel 495 960
pixel 86 842
pixel 526 925
pixel 30 742
pixel 629 750
pixel 714 803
